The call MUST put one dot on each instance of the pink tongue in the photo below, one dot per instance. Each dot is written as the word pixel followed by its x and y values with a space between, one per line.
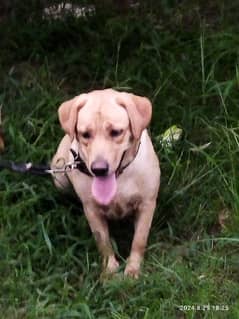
pixel 104 189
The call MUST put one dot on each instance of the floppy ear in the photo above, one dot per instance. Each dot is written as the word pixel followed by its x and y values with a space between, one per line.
pixel 68 111
pixel 139 110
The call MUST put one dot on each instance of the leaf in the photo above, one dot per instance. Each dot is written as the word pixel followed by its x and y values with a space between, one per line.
pixel 199 148
pixel 170 136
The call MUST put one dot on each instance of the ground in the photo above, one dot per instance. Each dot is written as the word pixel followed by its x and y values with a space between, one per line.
pixel 184 57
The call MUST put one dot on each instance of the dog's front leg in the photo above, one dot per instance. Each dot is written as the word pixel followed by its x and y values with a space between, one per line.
pixel 100 230
pixel 142 225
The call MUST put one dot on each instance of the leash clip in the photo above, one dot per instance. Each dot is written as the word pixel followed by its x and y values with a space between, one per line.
pixel 68 167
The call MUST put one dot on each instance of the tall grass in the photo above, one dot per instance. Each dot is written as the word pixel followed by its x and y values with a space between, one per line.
pixel 49 263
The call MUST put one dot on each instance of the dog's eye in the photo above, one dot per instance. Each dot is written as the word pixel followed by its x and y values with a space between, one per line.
pixel 86 135
pixel 115 133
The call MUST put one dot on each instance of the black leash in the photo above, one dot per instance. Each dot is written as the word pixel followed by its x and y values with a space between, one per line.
pixel 78 163
pixel 45 169
pixel 25 167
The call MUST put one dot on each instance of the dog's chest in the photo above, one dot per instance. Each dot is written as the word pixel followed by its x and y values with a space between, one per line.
pixel 122 206
pixel 127 200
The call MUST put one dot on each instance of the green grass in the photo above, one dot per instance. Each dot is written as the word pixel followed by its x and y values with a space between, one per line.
pixel 185 59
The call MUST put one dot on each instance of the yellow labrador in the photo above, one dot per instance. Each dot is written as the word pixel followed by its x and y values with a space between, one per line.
pixel 118 171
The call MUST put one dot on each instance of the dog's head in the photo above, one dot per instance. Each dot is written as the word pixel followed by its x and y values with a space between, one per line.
pixel 106 123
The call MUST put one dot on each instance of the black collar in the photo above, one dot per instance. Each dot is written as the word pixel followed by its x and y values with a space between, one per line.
pixel 121 169
pixel 81 165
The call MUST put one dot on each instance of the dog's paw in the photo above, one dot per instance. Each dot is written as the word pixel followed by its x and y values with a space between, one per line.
pixel 112 265
pixel 132 270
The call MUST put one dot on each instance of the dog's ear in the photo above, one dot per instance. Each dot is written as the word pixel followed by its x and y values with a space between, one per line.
pixel 68 111
pixel 139 110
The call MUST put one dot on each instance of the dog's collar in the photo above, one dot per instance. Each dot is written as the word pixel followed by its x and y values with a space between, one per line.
pixel 120 168
pixel 81 165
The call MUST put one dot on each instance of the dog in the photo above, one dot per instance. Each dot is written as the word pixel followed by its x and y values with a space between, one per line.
pixel 118 173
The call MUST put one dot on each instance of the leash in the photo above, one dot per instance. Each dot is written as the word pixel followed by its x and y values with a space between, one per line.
pixel 43 170
pixel 25 167
pixel 34 169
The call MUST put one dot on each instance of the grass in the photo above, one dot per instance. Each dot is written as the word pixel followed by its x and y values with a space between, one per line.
pixel 185 59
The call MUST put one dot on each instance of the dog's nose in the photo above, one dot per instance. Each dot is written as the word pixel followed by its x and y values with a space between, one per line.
pixel 100 167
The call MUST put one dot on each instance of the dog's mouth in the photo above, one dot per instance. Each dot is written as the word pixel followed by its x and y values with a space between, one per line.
pixel 104 188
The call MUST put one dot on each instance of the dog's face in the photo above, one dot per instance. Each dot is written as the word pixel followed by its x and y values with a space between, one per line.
pixel 105 123
pixel 103 132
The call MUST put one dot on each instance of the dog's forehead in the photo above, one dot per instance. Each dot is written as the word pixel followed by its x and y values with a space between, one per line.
pixel 101 108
